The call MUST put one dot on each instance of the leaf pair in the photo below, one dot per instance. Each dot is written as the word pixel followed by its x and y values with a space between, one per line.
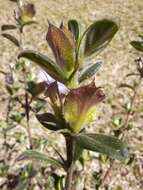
pixel 66 49
pixel 97 36
pixel 109 145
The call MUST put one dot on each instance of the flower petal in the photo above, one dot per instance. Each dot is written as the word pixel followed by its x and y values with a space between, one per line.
pixel 45 77
pixel 80 105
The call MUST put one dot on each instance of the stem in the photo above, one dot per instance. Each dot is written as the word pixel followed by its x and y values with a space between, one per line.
pixel 132 104
pixel 5 132
pixel 27 107
pixel 70 146
pixel 127 120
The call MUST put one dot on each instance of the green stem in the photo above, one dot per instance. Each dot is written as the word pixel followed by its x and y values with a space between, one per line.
pixel 70 146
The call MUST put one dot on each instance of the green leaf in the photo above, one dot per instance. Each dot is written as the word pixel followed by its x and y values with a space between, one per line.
pixel 88 72
pixel 73 26
pixel 8 27
pixel 23 184
pixel 35 88
pixel 11 38
pixel 137 45
pixel 48 120
pixel 98 36
pixel 77 152
pixel 35 155
pixel 46 63
pixel 108 145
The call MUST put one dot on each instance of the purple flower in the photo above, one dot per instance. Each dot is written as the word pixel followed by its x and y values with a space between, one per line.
pixel 43 76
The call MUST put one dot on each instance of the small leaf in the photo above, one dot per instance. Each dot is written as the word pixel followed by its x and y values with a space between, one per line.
pixel 48 120
pixel 35 155
pixel 88 72
pixel 11 38
pixel 108 145
pixel 16 116
pixel 137 45
pixel 132 74
pixel 47 64
pixel 8 27
pixel 35 88
pixel 73 26
pixel 15 1
pixel 98 36
pixel 124 85
pixel 23 184
pixel 117 121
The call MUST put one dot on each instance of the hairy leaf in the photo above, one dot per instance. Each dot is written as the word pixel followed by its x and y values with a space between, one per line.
pixel 8 27
pixel 35 155
pixel 89 72
pixel 73 26
pixel 108 145
pixel 46 63
pixel 48 120
pixel 98 36
pixel 11 38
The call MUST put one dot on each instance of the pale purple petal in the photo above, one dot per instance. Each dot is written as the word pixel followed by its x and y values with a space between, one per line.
pixel 62 88
pixel 45 77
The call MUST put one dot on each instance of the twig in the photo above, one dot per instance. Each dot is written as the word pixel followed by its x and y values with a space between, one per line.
pixel 27 107
pixel 3 72
pixel 107 173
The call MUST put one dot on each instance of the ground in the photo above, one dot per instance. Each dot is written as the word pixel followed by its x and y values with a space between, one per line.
pixel 118 61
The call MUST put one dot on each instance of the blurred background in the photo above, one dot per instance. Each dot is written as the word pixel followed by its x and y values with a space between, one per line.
pixel 118 61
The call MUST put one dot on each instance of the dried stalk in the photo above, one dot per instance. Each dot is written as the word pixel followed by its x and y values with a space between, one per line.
pixel 127 120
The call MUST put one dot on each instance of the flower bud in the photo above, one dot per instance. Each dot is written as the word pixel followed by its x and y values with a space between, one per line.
pixel 26 12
